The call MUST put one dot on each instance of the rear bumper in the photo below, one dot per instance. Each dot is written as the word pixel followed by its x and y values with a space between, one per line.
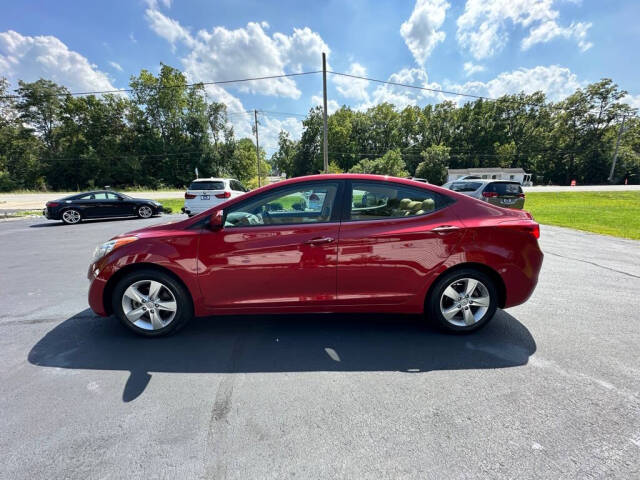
pixel 521 281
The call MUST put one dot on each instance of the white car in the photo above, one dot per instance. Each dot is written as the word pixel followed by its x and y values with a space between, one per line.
pixel 204 193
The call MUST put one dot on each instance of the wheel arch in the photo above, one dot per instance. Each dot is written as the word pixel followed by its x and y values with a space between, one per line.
pixel 490 272
pixel 116 277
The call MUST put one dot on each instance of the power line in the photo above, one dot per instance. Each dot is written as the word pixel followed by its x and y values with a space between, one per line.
pixel 162 87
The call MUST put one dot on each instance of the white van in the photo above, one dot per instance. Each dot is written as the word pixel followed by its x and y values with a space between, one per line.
pixel 204 193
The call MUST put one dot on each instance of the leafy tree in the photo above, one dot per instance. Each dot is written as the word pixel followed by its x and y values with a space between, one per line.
pixel 434 164
pixel 390 163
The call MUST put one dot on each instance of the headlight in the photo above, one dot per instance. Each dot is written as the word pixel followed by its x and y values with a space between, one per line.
pixel 106 247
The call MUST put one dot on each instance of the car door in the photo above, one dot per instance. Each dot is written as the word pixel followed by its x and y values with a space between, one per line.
pixel 274 251
pixel 120 206
pixel 392 238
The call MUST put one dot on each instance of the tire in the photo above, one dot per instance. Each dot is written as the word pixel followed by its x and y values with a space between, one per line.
pixel 71 216
pixel 462 314
pixel 145 211
pixel 148 318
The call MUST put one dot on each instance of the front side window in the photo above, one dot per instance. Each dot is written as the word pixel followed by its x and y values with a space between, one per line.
pixel 297 204
pixel 372 201
pixel 112 196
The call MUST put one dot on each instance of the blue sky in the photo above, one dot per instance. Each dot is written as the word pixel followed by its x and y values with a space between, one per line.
pixel 485 47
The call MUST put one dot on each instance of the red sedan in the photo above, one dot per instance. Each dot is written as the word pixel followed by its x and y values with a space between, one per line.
pixel 324 243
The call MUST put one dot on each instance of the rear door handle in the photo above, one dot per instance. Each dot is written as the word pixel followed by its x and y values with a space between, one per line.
pixel 318 241
pixel 445 229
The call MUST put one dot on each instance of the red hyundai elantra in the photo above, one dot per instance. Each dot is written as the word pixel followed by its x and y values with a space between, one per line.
pixel 324 243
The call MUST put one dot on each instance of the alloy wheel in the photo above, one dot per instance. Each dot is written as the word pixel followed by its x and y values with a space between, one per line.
pixel 71 216
pixel 149 304
pixel 464 302
pixel 145 212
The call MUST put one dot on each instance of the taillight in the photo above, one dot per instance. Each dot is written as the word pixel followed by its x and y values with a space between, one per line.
pixel 521 195
pixel 489 194
pixel 189 196
pixel 52 204
pixel 223 195
pixel 535 231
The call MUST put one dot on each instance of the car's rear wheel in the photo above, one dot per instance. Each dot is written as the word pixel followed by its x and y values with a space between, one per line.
pixel 151 303
pixel 462 301
pixel 145 211
pixel 71 216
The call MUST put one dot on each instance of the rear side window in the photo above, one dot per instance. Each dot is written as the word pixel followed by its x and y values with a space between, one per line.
pixel 237 186
pixel 206 186
pixel 377 200
pixel 465 186
pixel 504 188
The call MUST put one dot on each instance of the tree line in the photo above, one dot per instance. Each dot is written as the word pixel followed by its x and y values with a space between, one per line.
pixel 573 139
pixel 155 137
pixel 164 128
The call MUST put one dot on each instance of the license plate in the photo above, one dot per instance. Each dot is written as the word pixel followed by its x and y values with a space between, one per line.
pixel 509 201
pixel 204 197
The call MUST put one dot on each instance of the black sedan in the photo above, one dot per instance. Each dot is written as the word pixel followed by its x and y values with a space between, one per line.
pixel 99 204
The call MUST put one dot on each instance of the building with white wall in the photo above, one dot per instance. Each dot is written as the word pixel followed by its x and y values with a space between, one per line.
pixel 491 173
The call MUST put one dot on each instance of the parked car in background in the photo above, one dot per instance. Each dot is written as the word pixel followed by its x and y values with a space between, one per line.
pixel 365 243
pixel 497 192
pixel 99 204
pixel 205 193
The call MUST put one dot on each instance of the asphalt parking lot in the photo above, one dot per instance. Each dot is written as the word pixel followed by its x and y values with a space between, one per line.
pixel 550 389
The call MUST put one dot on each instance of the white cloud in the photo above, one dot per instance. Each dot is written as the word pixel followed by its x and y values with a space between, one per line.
pixel 401 96
pixel 224 54
pixel 470 68
pixel 132 38
pixel 421 31
pixel 555 81
pixel 632 100
pixel 167 28
pixel 29 58
pixel 353 88
pixel 116 65
pixel 482 28
pixel 270 128
pixel 549 30
pixel 332 105
pixel 303 49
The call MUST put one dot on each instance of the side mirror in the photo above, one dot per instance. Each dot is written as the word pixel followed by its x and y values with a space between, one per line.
pixel 216 220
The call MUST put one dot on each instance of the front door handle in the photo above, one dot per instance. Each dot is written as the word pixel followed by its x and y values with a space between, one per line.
pixel 318 241
pixel 445 229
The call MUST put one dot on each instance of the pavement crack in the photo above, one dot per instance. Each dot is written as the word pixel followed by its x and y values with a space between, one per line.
pixel 592 263
pixel 216 432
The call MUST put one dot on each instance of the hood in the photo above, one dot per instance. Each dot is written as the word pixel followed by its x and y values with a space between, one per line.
pixel 154 230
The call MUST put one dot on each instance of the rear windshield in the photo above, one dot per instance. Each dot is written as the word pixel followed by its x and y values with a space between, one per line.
pixel 504 188
pixel 465 186
pixel 206 186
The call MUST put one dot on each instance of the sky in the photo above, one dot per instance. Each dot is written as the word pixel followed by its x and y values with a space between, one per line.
pixel 480 47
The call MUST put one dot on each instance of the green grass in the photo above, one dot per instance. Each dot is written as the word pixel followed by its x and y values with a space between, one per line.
pixel 609 213
pixel 175 204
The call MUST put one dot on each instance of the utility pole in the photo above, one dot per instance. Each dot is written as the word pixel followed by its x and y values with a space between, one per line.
pixel 255 117
pixel 615 155
pixel 325 140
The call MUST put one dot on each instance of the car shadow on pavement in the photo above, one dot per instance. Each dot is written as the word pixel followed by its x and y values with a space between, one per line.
pixel 58 223
pixel 281 343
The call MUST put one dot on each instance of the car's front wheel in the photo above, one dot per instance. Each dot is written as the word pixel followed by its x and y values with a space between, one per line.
pixel 151 303
pixel 463 301
pixel 145 211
